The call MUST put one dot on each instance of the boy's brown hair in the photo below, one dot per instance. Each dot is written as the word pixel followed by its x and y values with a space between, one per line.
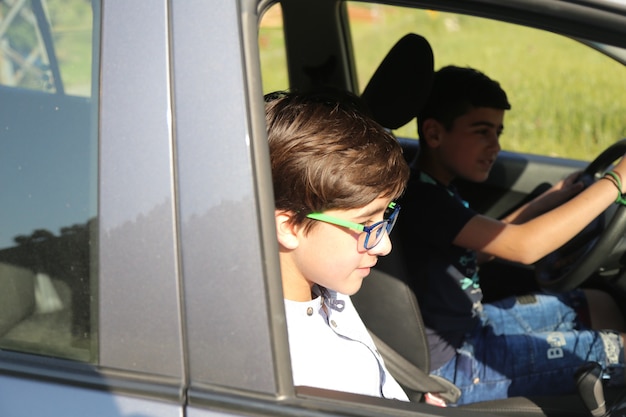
pixel 326 153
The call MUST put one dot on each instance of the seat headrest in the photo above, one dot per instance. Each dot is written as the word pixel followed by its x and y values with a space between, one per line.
pixel 401 84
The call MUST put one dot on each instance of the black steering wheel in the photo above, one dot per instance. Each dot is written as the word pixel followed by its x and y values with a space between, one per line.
pixel 572 264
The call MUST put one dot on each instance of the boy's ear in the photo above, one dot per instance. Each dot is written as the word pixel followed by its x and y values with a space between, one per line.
pixel 432 129
pixel 286 230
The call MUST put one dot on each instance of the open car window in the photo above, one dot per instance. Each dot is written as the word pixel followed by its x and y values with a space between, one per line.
pixel 555 84
pixel 272 49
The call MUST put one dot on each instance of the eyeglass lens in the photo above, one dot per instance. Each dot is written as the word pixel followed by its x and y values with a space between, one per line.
pixel 374 236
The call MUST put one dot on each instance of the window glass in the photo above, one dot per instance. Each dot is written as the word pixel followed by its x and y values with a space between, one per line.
pixel 273 54
pixel 566 97
pixel 48 182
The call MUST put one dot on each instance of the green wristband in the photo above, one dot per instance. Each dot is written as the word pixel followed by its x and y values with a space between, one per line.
pixel 615 179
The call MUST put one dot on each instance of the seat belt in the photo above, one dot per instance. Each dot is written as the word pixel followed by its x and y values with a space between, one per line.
pixel 410 376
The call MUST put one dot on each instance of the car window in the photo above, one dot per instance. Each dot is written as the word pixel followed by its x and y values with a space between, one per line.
pixel 48 178
pixel 272 49
pixel 565 96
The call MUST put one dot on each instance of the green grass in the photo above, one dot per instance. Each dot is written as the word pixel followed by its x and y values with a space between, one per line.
pixel 567 99
pixel 71 26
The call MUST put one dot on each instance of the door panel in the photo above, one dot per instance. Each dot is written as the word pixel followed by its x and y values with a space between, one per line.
pixel 71 401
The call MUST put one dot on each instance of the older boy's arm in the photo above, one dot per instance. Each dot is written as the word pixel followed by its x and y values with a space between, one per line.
pixel 530 241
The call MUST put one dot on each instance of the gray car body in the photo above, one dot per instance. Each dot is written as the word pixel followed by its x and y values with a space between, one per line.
pixel 191 317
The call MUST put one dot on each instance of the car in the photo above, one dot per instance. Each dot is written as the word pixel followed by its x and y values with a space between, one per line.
pixel 139 270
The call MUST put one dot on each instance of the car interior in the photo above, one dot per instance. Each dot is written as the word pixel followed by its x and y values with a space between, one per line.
pixel 386 301
pixel 387 304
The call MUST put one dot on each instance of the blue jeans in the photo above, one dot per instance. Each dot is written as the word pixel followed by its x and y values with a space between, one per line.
pixel 531 345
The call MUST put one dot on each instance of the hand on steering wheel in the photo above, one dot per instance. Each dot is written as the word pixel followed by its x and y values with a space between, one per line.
pixel 572 264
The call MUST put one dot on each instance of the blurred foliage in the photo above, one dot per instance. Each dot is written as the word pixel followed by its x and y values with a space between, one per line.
pixel 24 61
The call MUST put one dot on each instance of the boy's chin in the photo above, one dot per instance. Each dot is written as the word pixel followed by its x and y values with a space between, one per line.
pixel 478 177
pixel 349 290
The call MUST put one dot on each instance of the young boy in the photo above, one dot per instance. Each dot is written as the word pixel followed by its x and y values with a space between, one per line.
pixel 336 174
pixel 529 345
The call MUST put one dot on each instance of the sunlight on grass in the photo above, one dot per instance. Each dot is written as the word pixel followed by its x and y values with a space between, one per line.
pixel 567 99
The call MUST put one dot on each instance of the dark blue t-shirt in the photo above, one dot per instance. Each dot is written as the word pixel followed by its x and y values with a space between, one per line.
pixel 445 276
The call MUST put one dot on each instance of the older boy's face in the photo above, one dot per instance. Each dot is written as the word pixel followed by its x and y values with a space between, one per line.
pixel 331 256
pixel 469 149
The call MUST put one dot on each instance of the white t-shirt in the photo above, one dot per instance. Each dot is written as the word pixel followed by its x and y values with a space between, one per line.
pixel 334 351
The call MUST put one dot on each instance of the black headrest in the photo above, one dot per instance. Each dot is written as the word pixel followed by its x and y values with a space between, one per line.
pixel 401 84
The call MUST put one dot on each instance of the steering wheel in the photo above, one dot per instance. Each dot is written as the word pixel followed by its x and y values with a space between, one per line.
pixel 569 266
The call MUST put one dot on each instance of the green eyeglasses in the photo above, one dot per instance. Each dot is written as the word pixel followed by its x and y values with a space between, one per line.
pixel 371 235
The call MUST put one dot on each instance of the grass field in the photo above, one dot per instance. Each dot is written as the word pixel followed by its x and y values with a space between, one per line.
pixel 568 100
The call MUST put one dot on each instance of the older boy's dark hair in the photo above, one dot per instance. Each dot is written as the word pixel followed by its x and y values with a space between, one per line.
pixel 457 90
pixel 327 153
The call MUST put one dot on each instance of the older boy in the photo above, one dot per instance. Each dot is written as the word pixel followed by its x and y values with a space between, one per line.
pixel 336 173
pixel 500 349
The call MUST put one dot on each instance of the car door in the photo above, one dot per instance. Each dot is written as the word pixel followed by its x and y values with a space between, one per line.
pixel 137 234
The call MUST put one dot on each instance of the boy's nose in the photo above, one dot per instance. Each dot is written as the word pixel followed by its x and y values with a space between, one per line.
pixel 494 143
pixel 383 247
